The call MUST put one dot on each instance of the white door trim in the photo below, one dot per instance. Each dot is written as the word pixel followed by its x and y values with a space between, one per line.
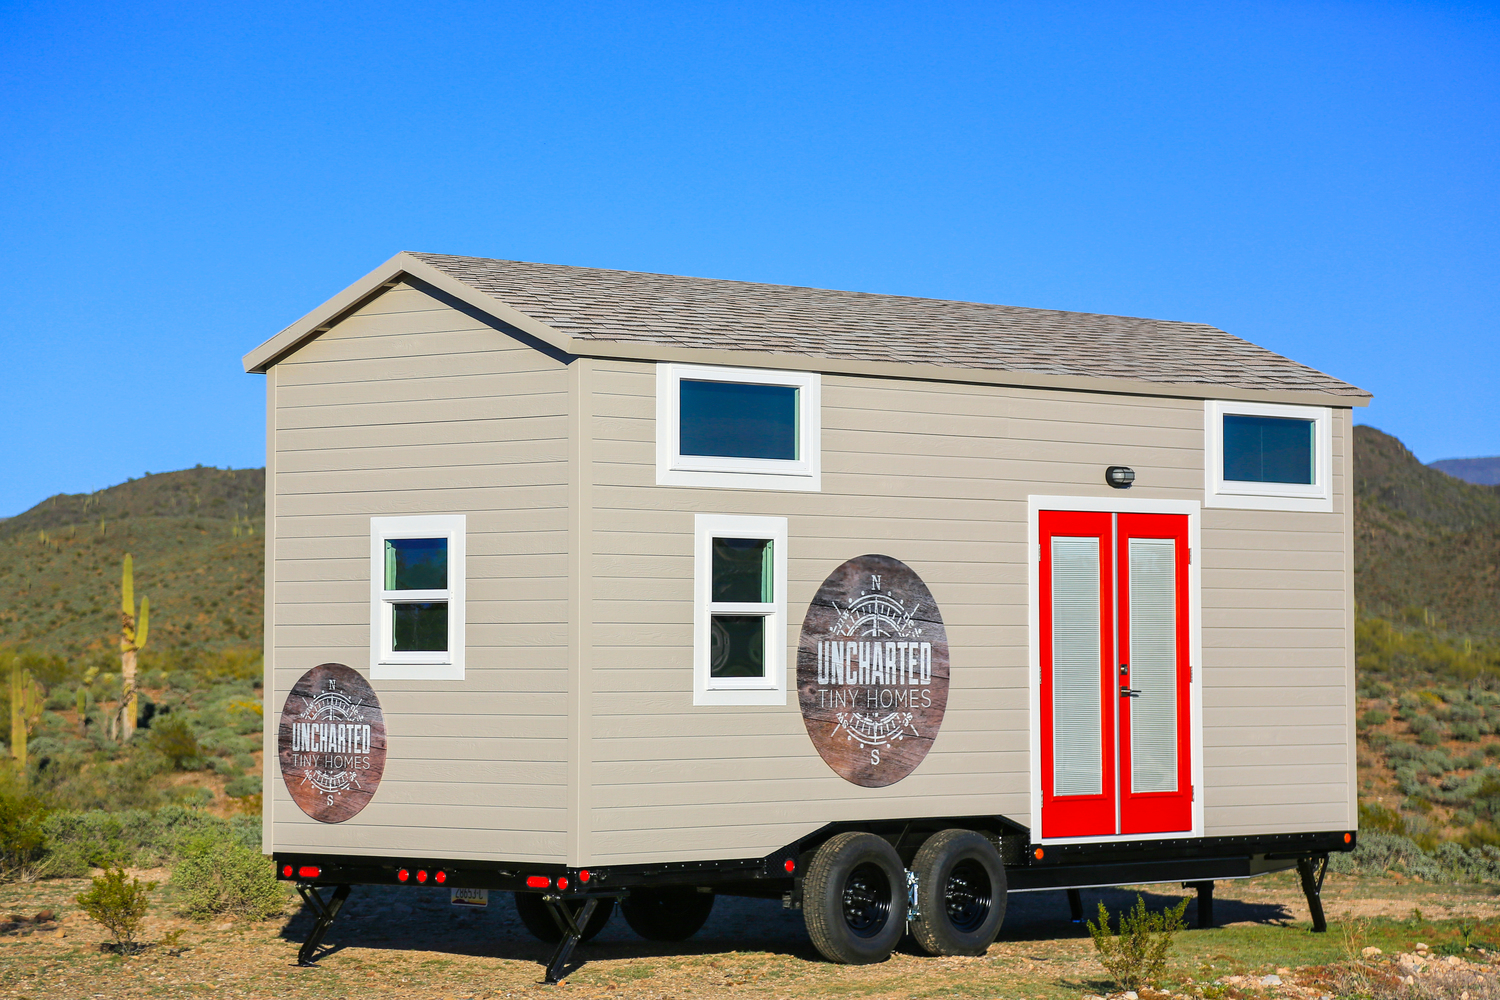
pixel 1035 504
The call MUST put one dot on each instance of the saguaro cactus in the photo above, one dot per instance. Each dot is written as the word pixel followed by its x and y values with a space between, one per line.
pixel 25 709
pixel 132 641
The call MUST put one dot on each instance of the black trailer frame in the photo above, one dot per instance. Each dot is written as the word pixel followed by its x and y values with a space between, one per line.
pixel 1196 862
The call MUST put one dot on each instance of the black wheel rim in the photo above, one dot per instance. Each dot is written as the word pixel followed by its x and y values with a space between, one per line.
pixel 967 896
pixel 867 900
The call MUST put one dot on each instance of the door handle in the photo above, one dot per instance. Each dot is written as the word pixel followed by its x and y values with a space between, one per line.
pixel 1129 692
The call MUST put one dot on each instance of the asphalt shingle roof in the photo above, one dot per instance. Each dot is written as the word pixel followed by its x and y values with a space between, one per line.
pixel 625 306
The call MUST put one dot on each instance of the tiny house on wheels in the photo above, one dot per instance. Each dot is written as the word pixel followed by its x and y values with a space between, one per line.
pixel 603 587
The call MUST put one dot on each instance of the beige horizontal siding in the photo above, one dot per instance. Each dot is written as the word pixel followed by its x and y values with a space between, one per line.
pixel 937 475
pixel 410 407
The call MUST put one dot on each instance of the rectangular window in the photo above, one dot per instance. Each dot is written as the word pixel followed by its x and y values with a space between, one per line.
pixel 417 597
pixel 1266 456
pixel 739 619
pixel 737 428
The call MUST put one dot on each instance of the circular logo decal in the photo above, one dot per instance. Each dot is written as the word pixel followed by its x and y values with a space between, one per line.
pixel 872 670
pixel 331 742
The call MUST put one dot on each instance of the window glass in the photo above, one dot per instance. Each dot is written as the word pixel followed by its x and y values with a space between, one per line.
pixel 416 564
pixel 1268 449
pixel 419 626
pixel 737 420
pixel 738 647
pixel 742 571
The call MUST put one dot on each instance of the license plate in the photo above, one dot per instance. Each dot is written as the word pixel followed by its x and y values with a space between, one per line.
pixel 469 897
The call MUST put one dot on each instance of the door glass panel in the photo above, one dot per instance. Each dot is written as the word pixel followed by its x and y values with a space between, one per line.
pixel 1077 754
pixel 1153 665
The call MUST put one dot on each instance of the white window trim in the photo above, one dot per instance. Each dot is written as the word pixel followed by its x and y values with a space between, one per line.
pixel 770 690
pixel 386 664
pixel 674 469
pixel 1114 505
pixel 1219 492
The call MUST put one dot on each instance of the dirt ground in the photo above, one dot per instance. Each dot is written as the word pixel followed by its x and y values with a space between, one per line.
pixel 410 942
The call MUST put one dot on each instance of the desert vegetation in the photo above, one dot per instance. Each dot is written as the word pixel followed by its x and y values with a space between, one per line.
pixel 89 804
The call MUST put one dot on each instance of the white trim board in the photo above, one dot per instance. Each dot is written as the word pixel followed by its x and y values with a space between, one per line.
pixel 1035 504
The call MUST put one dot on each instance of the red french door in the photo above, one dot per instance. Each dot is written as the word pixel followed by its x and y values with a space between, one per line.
pixel 1115 711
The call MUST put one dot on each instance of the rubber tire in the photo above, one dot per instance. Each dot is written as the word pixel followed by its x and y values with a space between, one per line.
pixel 538 919
pixel 973 855
pixel 823 903
pixel 674 913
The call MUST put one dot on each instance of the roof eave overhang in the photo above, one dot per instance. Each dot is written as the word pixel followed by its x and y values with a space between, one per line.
pixel 403 265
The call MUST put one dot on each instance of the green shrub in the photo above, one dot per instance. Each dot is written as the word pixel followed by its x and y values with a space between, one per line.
pixel 143 838
pixel 23 836
pixel 245 784
pixel 1380 851
pixel 119 905
pixel 225 877
pixel 1137 954
pixel 1374 816
pixel 174 740
pixel 1375 717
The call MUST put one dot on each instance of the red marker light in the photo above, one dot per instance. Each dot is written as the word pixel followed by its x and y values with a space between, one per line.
pixel 440 877
pixel 538 882
pixel 1038 853
pixel 421 874
pixel 1348 838
pixel 562 883
pixel 309 871
pixel 583 876
pixel 286 871
pixel 790 866
pixel 402 875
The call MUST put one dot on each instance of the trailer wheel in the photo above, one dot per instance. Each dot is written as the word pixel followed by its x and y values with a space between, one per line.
pixel 854 899
pixel 674 913
pixel 539 922
pixel 960 893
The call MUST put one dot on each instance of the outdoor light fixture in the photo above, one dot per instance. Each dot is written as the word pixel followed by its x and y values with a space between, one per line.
pixel 1119 476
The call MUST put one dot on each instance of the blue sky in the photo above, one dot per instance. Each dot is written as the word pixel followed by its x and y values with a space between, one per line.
pixel 178 182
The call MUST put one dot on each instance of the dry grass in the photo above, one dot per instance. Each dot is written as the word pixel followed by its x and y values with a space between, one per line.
pixel 411 943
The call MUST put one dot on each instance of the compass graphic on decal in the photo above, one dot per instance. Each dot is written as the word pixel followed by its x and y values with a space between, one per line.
pixel 331 742
pixel 872 670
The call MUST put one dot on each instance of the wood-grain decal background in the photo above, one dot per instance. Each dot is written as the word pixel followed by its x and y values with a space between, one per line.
pixel 874 725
